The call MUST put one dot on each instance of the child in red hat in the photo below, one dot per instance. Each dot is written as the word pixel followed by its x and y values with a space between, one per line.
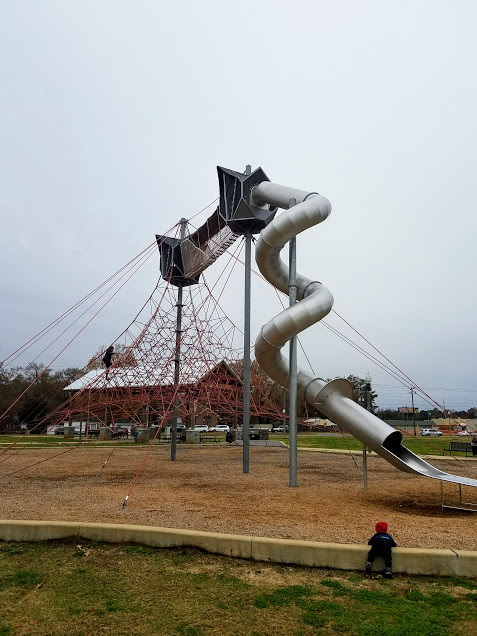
pixel 381 545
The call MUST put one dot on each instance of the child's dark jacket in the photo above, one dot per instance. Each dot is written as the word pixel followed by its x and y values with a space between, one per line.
pixel 382 541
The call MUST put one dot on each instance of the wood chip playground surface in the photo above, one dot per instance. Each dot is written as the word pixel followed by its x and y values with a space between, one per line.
pixel 205 489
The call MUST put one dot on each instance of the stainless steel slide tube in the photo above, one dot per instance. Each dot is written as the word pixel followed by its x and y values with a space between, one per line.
pixel 334 398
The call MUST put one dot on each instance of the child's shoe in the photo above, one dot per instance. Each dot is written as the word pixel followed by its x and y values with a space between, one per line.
pixel 388 574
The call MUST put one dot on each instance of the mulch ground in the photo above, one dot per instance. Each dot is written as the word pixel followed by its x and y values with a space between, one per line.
pixel 206 489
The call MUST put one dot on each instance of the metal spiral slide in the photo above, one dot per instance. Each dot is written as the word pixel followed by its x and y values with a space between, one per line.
pixel 314 302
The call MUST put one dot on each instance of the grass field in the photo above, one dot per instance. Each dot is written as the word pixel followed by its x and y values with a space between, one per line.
pixel 53 441
pixel 418 445
pixel 55 588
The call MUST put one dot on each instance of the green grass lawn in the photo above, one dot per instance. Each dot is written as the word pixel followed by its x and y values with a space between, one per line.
pixel 418 445
pixel 53 440
pixel 56 588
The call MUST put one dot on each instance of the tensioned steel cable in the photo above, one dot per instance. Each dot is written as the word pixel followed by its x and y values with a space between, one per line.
pixel 143 256
pixel 60 318
pixel 75 336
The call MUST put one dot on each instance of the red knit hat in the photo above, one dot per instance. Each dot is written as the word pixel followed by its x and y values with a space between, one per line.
pixel 381 526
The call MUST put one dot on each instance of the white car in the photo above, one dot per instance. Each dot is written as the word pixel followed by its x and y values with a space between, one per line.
pixel 278 429
pixel 203 428
pixel 463 434
pixel 221 428
pixel 430 432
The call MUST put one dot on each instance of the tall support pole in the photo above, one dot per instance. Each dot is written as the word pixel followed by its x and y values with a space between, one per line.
pixel 365 469
pixel 365 456
pixel 246 356
pixel 177 358
pixel 87 419
pixel 246 350
pixel 292 424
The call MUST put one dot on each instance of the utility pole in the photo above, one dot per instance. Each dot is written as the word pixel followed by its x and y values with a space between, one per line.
pixel 413 413
pixel 177 357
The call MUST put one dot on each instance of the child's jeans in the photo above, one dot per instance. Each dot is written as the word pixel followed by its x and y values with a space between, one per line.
pixel 382 552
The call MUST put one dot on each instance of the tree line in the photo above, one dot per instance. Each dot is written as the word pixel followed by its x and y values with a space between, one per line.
pixel 46 393
pixel 32 404
pixel 430 414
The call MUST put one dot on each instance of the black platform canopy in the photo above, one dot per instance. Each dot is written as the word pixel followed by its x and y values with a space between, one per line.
pixel 236 207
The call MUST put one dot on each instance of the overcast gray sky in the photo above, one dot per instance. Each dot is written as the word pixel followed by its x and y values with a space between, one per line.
pixel 115 114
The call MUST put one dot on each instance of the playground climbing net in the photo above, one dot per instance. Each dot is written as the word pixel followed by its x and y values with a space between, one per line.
pixel 146 378
pixel 140 384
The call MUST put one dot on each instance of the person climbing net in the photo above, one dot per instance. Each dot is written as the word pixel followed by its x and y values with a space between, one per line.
pixel 108 359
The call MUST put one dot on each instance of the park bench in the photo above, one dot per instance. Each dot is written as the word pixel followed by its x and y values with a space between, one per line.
pixel 211 439
pixel 94 432
pixel 181 438
pixel 459 447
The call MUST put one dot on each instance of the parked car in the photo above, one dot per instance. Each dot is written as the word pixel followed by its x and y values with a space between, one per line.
pixel 463 433
pixel 430 432
pixel 203 428
pixel 220 428
pixel 278 429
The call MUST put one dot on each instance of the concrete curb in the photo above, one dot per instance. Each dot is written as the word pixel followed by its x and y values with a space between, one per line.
pixel 359 453
pixel 308 553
